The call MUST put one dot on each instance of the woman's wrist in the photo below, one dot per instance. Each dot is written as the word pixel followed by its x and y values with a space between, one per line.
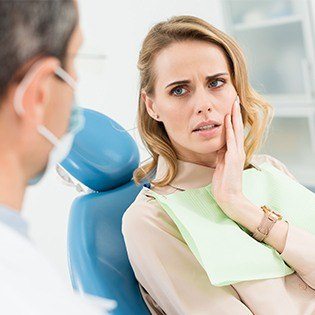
pixel 250 216
pixel 246 213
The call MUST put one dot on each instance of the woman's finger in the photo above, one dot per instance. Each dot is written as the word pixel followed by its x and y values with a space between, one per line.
pixel 230 138
pixel 221 155
pixel 238 126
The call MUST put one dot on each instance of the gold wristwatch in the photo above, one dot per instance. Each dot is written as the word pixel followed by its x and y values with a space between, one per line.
pixel 266 224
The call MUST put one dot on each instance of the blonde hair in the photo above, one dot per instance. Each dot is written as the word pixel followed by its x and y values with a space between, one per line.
pixel 256 112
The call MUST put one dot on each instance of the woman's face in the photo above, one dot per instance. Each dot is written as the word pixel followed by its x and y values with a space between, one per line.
pixel 193 86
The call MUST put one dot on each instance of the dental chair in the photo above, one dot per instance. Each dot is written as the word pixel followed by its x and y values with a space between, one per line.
pixel 103 158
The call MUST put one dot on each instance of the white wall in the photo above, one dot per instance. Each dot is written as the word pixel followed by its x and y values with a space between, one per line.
pixel 115 29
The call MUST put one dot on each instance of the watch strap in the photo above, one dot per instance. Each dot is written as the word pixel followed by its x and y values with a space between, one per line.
pixel 268 221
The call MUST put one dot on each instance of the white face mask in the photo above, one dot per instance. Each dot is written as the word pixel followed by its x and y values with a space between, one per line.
pixel 63 145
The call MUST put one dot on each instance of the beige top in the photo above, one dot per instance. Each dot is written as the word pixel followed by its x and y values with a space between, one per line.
pixel 172 280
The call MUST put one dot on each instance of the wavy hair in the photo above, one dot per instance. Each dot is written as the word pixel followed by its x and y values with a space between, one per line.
pixel 256 112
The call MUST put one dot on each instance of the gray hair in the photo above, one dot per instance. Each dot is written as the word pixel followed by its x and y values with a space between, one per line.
pixel 32 28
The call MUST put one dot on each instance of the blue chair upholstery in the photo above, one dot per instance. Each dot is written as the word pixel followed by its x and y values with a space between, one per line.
pixel 103 158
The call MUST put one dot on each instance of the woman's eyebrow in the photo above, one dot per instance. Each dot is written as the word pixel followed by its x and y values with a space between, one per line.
pixel 210 77
pixel 178 82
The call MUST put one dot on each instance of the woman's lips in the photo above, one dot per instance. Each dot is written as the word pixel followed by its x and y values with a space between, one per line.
pixel 209 133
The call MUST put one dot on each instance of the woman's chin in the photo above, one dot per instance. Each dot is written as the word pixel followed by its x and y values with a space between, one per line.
pixel 206 151
pixel 210 147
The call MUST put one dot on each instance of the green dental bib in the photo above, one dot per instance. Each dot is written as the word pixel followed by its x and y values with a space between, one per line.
pixel 225 248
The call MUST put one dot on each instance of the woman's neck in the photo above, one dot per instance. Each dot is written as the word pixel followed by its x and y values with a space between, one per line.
pixel 208 161
pixel 186 155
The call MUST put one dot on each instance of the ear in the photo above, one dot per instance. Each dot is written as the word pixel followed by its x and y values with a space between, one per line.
pixel 150 105
pixel 36 89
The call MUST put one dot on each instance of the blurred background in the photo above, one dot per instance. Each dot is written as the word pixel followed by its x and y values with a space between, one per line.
pixel 278 39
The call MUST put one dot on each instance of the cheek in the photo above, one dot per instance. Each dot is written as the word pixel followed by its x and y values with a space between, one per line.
pixel 73 72
pixel 175 119
pixel 226 102
pixel 60 110
pixel 230 98
pixel 174 125
pixel 228 108
pixel 63 103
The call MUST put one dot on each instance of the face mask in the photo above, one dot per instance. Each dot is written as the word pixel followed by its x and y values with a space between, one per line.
pixel 63 145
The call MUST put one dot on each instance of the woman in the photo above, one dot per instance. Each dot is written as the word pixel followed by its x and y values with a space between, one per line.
pixel 198 133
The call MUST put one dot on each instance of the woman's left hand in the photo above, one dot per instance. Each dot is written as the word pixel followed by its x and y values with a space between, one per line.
pixel 226 184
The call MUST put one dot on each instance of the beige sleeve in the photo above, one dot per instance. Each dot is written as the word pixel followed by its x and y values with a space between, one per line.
pixel 299 250
pixel 261 158
pixel 167 269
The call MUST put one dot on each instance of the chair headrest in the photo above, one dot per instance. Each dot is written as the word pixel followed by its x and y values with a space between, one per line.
pixel 103 155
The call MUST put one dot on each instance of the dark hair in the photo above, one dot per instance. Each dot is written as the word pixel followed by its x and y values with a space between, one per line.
pixel 33 28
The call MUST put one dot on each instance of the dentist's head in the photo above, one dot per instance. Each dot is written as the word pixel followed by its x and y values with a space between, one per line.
pixel 38 43
pixel 191 73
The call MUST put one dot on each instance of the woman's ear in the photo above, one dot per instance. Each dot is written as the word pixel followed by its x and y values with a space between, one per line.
pixel 150 105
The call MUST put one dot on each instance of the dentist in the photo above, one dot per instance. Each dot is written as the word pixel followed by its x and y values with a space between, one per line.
pixel 38 120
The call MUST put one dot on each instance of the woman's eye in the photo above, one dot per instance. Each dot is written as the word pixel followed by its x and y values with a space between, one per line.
pixel 214 84
pixel 178 91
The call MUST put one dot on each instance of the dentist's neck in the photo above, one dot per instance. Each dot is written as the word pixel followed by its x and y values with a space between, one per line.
pixel 12 182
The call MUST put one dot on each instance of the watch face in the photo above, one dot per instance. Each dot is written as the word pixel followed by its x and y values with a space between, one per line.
pixel 273 215
pixel 266 209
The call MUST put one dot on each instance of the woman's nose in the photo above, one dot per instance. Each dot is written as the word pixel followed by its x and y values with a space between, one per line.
pixel 200 111
pixel 203 102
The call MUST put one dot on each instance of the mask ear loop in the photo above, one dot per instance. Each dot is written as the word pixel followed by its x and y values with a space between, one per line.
pixel 65 76
pixel 18 100
pixel 19 94
pixel 18 97
pixel 73 84
pixel 48 135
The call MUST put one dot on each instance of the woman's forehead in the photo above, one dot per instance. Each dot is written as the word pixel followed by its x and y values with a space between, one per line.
pixel 179 61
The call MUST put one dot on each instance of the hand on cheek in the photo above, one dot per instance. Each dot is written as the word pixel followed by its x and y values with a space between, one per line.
pixel 227 178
